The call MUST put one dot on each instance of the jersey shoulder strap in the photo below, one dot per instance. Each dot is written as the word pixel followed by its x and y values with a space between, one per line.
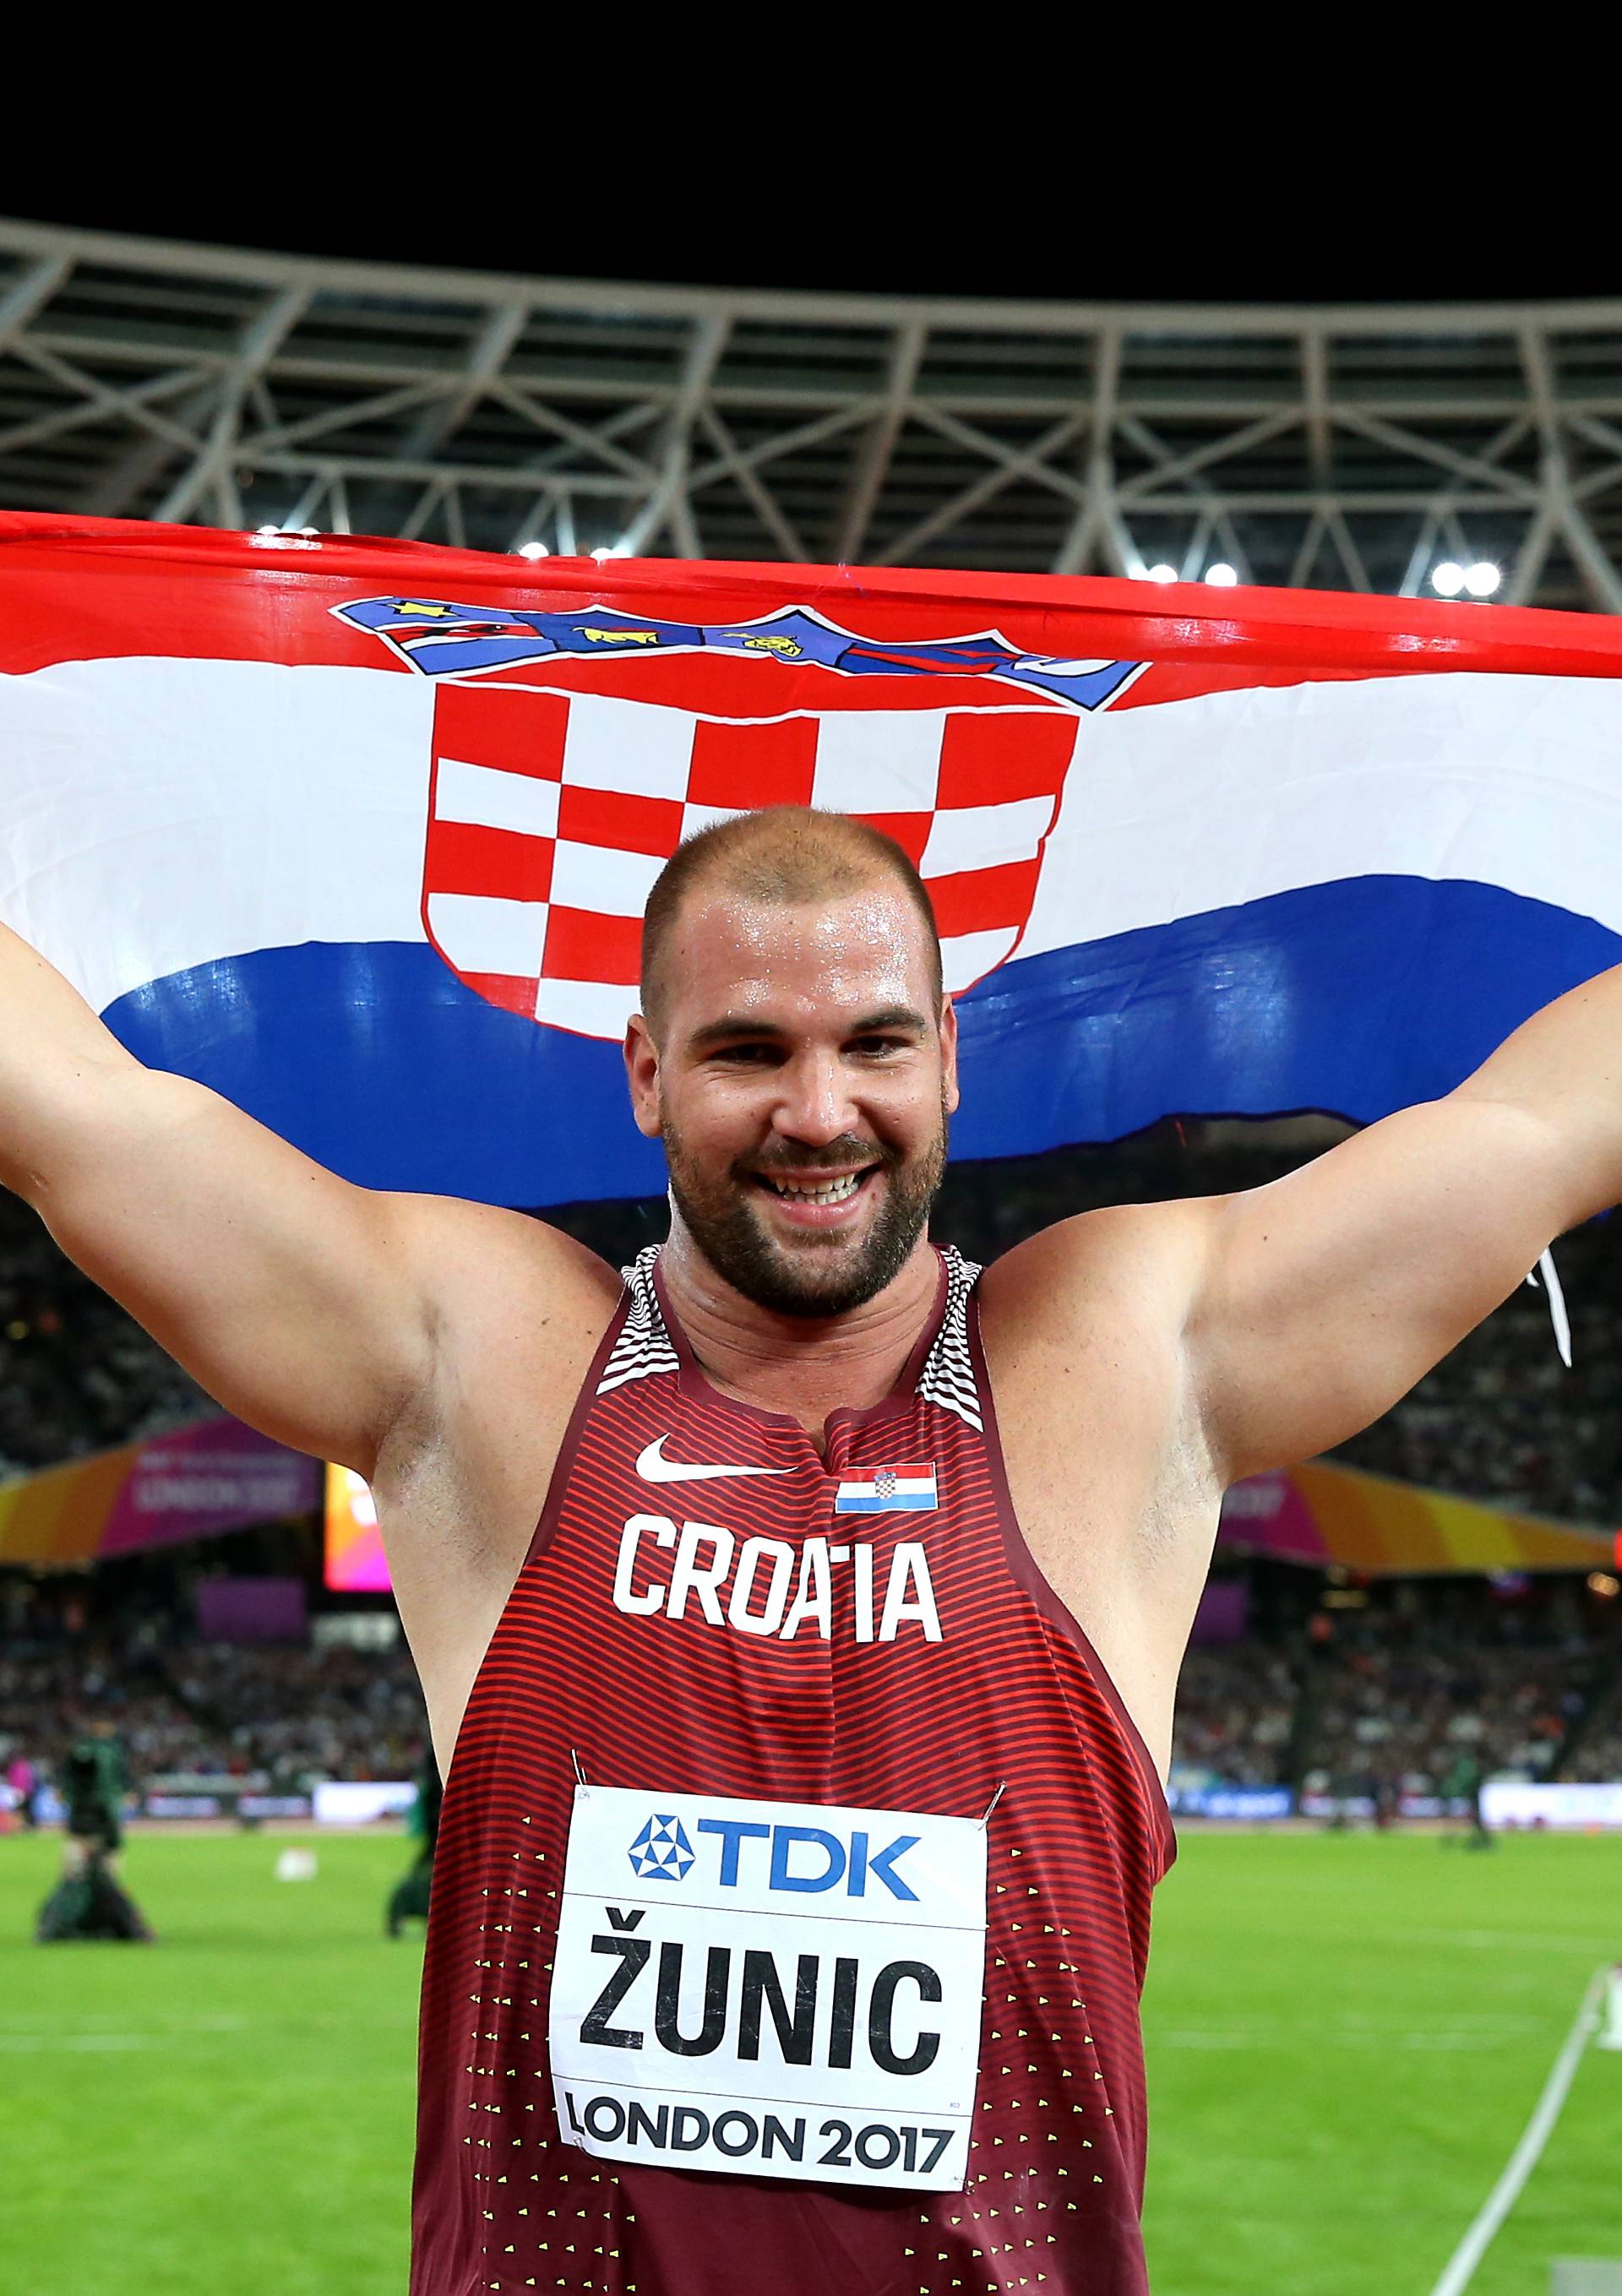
pixel 948 1377
pixel 642 1346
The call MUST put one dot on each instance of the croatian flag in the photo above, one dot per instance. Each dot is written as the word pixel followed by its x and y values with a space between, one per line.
pixel 360 833
pixel 886 1490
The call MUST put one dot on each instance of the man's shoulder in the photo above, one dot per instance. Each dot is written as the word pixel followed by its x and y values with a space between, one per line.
pixel 475 1258
pixel 1140 1263
pixel 514 1306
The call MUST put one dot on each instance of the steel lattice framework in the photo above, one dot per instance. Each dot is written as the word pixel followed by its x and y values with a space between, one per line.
pixel 1342 447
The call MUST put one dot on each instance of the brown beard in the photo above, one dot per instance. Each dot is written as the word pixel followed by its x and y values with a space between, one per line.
pixel 822 1276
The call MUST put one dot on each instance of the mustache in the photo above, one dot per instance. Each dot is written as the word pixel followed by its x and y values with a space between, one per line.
pixel 833 1156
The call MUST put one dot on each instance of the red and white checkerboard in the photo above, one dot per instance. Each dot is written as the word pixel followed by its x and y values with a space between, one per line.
pixel 552 814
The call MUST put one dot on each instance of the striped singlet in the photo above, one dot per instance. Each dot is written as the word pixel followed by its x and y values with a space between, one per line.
pixel 979 1678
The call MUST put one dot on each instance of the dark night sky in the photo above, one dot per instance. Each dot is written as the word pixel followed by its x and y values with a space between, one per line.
pixel 1227 236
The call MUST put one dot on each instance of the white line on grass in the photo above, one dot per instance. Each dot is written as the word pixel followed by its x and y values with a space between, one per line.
pixel 1461 2267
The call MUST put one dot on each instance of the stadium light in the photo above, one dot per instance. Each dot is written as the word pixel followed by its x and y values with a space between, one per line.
pixel 1222 576
pixel 1482 578
pixel 533 550
pixel 1448 578
pixel 1161 572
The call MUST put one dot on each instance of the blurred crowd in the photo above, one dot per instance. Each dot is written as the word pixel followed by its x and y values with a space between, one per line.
pixel 1406 1717
pixel 290 1714
pixel 75 1373
pixel 1398 1695
pixel 1236 1712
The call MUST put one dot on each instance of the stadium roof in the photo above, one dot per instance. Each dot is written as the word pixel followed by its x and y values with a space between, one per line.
pixel 1344 448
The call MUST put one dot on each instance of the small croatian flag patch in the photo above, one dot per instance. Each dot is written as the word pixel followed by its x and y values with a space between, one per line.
pixel 886 1490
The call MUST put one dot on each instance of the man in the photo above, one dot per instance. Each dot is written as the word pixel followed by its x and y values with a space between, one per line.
pixel 1465 1783
pixel 90 1901
pixel 409 1898
pixel 840 1657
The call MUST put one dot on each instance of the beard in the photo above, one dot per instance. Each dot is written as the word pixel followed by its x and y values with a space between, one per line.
pixel 818 1273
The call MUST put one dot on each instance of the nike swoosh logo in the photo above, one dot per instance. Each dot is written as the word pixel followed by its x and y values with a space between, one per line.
pixel 653 1467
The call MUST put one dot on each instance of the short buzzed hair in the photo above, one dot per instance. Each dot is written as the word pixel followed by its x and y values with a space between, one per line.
pixel 784 856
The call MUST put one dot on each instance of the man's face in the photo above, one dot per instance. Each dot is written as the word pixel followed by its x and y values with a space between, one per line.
pixel 801 1086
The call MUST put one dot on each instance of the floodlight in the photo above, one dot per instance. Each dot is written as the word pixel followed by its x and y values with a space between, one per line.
pixel 1161 572
pixel 1222 576
pixel 1482 578
pixel 1448 578
pixel 533 550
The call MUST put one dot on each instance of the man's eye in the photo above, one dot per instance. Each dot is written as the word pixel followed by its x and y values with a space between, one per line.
pixel 741 1055
pixel 876 1047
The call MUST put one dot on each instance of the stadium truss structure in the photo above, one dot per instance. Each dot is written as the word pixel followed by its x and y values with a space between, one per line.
pixel 1348 448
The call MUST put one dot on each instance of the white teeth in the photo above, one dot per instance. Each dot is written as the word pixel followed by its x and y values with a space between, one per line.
pixel 833 1192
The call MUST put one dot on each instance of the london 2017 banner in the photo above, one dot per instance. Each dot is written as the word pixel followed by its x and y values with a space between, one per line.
pixel 360 833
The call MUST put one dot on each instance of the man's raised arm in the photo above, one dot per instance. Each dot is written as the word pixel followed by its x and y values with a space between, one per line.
pixel 293 1298
pixel 1320 1299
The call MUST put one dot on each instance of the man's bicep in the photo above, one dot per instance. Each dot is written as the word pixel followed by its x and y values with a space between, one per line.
pixel 293 1297
pixel 1326 1295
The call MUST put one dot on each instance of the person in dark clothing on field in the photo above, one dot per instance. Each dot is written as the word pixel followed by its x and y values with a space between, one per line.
pixel 1465 1782
pixel 90 1901
pixel 410 1895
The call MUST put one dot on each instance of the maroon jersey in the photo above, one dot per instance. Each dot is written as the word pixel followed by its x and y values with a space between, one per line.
pixel 926 1667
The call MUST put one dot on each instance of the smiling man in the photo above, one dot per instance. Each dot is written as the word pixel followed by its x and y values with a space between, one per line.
pixel 803 1610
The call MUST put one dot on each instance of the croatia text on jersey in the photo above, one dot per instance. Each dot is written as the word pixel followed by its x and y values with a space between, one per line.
pixel 767 1586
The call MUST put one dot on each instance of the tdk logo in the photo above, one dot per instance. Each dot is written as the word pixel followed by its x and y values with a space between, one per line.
pixel 801 1860
pixel 661 1852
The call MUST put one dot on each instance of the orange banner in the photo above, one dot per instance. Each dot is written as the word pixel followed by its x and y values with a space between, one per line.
pixel 1318 1514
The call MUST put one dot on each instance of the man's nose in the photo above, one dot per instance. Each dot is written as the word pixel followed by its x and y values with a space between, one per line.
pixel 814 1104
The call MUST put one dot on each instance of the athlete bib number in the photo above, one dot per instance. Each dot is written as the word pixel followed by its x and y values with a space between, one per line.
pixel 771 1988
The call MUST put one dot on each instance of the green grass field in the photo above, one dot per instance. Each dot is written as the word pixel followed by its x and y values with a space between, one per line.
pixel 1346 2038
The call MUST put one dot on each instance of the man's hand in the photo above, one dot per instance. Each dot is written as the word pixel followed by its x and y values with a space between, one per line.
pixel 1321 1299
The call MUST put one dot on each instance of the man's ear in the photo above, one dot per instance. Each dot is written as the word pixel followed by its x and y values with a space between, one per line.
pixel 948 1054
pixel 642 1074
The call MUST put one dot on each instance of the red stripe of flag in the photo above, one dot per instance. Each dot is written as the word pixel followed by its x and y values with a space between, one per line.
pixel 992 759
pixel 741 766
pixel 630 824
pixel 911 832
pixel 498 725
pixel 504 989
pixel 978 900
pixel 500 863
pixel 582 945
